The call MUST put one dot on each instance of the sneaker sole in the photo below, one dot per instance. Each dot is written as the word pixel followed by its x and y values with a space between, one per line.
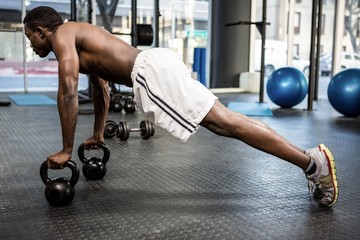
pixel 332 171
pixel 322 147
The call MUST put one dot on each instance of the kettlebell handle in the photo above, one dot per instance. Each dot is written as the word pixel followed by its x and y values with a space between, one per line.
pixel 105 158
pixel 75 172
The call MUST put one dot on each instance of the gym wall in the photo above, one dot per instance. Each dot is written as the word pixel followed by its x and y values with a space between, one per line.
pixel 229 46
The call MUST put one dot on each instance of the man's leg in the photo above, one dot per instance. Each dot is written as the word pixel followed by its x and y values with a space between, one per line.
pixel 225 122
pixel 318 163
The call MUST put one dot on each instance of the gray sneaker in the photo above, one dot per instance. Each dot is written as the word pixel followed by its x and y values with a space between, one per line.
pixel 315 149
pixel 323 183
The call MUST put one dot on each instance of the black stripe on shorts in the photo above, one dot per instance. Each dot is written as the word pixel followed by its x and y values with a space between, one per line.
pixel 191 127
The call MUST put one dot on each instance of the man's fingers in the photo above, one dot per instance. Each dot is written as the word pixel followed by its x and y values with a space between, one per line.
pixel 92 145
pixel 54 165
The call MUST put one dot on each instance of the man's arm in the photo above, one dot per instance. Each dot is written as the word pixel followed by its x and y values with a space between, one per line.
pixel 68 105
pixel 67 99
pixel 101 100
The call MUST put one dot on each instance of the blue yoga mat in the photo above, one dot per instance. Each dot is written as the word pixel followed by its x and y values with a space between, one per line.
pixel 251 108
pixel 32 100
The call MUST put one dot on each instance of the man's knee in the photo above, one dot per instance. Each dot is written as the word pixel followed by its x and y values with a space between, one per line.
pixel 218 119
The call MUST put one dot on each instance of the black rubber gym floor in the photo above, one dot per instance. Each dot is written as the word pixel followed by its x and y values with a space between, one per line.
pixel 208 188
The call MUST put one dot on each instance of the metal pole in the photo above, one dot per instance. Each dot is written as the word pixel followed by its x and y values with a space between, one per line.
pixel 26 84
pixel 156 23
pixel 73 11
pixel 90 20
pixel 173 20
pixel 93 13
pixel 90 10
pixel 252 37
pixel 134 37
pixel 338 36
pixel 290 37
pixel 312 56
pixel 318 45
pixel 263 37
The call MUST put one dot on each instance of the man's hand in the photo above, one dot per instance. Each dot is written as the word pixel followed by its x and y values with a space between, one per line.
pixel 57 160
pixel 92 142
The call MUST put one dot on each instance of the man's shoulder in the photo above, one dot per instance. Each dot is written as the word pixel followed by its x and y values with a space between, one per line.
pixel 74 30
pixel 75 25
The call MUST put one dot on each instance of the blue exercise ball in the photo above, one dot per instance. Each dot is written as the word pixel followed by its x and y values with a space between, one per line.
pixel 287 87
pixel 344 92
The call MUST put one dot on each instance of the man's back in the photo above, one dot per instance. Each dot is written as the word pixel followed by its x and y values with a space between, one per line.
pixel 99 52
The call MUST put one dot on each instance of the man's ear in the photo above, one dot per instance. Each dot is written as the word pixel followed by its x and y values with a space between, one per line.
pixel 41 32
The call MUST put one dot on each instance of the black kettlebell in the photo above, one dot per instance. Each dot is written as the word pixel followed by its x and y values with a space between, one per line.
pixel 60 191
pixel 117 107
pixel 115 103
pixel 129 105
pixel 94 168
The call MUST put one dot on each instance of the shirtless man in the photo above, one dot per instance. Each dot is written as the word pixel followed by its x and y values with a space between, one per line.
pixel 162 88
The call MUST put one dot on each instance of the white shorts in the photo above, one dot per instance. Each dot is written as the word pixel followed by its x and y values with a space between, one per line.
pixel 163 89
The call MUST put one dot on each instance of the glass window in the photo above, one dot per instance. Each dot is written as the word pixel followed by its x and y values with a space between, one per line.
pixel 183 26
pixel 297 23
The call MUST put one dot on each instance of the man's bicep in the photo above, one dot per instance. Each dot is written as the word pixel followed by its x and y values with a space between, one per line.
pixel 68 72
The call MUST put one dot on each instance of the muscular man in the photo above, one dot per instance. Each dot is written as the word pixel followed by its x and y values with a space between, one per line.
pixel 162 88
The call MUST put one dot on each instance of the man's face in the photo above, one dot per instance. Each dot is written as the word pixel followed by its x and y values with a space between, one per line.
pixel 38 42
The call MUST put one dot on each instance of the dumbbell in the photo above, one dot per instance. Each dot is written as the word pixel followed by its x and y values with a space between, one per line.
pixel 146 130
pixel 110 129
